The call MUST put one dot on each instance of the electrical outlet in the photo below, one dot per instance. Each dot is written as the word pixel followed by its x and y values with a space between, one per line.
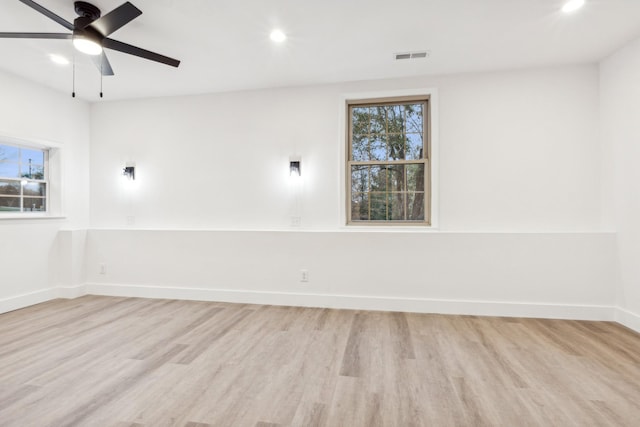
pixel 304 276
pixel 296 221
pixel 103 269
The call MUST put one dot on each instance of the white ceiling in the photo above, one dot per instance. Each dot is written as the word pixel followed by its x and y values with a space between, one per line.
pixel 224 44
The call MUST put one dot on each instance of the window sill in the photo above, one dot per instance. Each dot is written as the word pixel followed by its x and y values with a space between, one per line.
pixel 389 229
pixel 30 216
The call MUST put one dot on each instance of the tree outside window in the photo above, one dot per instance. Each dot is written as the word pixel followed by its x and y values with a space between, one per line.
pixel 388 161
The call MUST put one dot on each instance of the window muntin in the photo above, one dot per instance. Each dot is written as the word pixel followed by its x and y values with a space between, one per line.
pixel 23 179
pixel 388 166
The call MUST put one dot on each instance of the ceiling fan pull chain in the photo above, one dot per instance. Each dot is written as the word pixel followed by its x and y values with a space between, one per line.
pixel 73 91
pixel 101 75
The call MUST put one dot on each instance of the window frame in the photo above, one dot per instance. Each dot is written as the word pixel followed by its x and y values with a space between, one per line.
pixel 46 180
pixel 425 97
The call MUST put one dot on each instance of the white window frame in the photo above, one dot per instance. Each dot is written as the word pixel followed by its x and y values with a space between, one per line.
pixel 53 177
pixel 432 94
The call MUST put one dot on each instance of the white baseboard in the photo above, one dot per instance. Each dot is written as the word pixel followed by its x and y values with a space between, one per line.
pixel 71 292
pixel 627 318
pixel 25 300
pixel 414 305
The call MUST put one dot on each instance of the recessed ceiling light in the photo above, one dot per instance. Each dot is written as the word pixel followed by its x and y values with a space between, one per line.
pixel 278 36
pixel 60 60
pixel 572 5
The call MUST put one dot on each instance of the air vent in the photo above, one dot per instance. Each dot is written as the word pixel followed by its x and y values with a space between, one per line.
pixel 411 55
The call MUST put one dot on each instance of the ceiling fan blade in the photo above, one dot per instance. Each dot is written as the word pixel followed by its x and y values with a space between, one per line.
pixel 46 12
pixel 115 19
pixel 136 51
pixel 35 36
pixel 102 64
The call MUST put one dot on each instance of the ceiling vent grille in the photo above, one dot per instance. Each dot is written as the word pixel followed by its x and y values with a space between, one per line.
pixel 411 55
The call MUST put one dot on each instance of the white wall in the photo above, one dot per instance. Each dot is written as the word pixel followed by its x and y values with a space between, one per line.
pixel 516 274
pixel 620 92
pixel 519 151
pixel 29 249
pixel 523 198
pixel 521 224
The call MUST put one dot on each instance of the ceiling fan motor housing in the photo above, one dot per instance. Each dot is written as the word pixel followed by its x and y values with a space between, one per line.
pixel 87 10
pixel 87 13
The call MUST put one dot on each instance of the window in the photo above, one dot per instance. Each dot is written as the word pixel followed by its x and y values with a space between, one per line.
pixel 388 167
pixel 23 179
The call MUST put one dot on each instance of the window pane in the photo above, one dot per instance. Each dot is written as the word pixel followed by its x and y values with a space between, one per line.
pixel 359 179
pixel 414 146
pixel 32 204
pixel 10 188
pixel 415 177
pixel 378 148
pixel 396 206
pixel 360 120
pixel 35 156
pixel 415 206
pixel 396 147
pixel 32 171
pixel 9 170
pixel 359 207
pixel 395 177
pixel 378 206
pixel 9 204
pixel 360 148
pixel 378 178
pixel 378 120
pixel 35 189
pixel 9 153
pixel 395 119
pixel 414 118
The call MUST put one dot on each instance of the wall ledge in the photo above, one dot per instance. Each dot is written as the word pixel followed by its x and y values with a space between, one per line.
pixel 356 229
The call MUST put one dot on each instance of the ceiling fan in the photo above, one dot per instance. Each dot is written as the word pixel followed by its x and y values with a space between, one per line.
pixel 90 33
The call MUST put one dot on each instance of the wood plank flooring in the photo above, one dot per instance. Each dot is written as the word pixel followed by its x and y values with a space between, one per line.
pixel 130 362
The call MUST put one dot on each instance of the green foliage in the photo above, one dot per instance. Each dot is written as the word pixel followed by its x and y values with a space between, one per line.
pixel 37 174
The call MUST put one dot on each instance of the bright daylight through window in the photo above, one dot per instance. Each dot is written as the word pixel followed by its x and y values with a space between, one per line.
pixel 388 169
pixel 23 179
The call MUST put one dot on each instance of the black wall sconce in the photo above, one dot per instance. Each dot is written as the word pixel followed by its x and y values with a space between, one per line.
pixel 294 166
pixel 130 172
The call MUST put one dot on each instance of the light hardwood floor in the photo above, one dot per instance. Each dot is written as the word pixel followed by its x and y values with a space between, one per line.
pixel 127 362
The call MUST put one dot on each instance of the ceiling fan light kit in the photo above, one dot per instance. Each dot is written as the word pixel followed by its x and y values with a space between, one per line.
pixel 90 31
pixel 86 45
